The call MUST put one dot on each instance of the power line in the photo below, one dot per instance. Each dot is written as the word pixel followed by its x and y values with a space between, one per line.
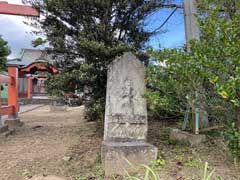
pixel 166 20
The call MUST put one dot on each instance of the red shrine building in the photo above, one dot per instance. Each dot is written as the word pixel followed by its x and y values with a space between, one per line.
pixel 35 67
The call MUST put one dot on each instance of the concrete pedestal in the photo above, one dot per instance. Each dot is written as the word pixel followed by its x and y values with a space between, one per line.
pixel 3 129
pixel 117 155
pixel 13 123
pixel 58 108
pixel 186 138
pixel 58 105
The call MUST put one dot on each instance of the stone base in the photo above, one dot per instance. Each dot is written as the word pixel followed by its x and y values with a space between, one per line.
pixel 13 123
pixel 58 108
pixel 4 135
pixel 4 128
pixel 58 104
pixel 115 156
pixel 184 137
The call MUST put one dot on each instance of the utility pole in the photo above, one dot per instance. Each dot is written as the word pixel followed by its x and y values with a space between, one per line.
pixel 191 24
pixel 192 32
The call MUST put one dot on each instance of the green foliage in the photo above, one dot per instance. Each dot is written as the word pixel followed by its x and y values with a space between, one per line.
pixel 209 74
pixel 4 52
pixel 169 87
pixel 207 175
pixel 38 42
pixel 232 136
pixel 95 109
pixel 81 178
pixel 60 83
pixel 98 168
pixel 193 163
pixel 149 174
pixel 223 51
pixel 96 31
pixel 158 163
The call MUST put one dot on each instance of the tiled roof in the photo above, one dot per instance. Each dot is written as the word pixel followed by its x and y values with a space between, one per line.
pixel 29 56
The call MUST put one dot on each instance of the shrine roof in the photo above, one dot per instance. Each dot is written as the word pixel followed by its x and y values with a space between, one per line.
pixel 39 66
pixel 29 56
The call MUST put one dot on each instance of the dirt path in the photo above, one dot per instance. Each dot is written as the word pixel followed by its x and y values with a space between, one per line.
pixel 43 145
pixel 65 145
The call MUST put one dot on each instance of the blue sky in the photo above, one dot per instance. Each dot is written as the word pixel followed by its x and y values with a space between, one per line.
pixel 174 33
pixel 19 35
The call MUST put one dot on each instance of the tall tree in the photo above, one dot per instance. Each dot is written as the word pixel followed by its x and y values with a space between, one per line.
pixel 4 52
pixel 96 31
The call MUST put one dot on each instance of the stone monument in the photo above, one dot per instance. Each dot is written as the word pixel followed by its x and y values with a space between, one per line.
pixel 126 125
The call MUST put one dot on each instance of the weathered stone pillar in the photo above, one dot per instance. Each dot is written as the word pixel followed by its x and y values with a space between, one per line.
pixel 125 128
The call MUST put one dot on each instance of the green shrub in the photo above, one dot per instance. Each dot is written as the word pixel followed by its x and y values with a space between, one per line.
pixel 232 136
pixel 208 76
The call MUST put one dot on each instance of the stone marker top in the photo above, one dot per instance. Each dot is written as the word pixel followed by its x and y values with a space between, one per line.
pixel 125 112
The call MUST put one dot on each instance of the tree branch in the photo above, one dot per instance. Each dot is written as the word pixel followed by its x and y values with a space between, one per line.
pixel 170 6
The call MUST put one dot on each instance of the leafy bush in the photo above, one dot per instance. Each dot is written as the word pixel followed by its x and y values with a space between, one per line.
pixel 163 92
pixel 233 138
pixel 58 84
pixel 208 75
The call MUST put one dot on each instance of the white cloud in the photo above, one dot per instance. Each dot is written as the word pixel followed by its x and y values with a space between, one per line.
pixel 15 32
pixel 13 1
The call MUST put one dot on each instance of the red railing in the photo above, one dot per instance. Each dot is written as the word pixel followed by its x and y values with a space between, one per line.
pixel 12 80
pixel 5 79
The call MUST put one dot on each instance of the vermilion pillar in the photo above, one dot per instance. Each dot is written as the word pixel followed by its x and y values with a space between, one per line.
pixel 13 90
pixel 29 94
pixel 0 106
